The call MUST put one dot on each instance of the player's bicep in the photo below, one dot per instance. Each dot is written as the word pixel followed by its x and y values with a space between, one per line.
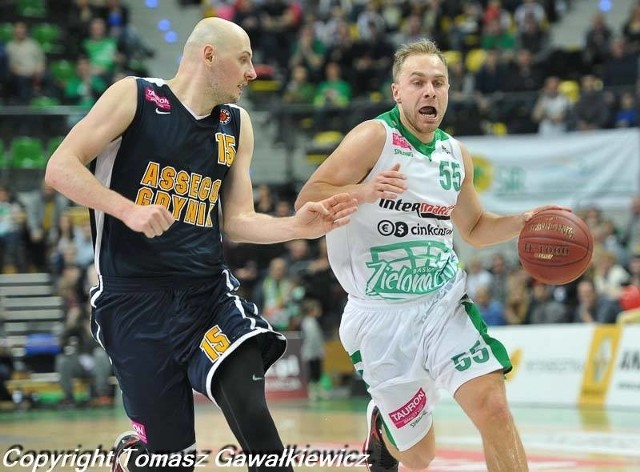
pixel 237 193
pixel 354 157
pixel 468 207
pixel 106 121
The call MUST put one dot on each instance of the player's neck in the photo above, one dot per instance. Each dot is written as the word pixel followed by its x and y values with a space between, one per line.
pixel 189 92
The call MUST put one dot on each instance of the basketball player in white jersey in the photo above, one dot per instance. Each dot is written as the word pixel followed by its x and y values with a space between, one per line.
pixel 409 326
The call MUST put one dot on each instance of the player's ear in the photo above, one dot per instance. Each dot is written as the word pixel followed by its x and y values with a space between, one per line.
pixel 209 53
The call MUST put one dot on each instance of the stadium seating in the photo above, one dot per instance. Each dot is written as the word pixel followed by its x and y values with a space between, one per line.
pixel 27 153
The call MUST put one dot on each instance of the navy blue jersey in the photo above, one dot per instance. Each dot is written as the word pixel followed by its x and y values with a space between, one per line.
pixel 167 156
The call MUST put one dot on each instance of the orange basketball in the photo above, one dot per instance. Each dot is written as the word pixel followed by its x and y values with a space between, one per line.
pixel 555 246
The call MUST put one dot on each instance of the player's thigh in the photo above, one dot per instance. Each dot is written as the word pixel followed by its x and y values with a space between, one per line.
pixel 156 392
pixel 235 322
pixel 460 348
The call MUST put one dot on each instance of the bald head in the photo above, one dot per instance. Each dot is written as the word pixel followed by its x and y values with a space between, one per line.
pixel 217 32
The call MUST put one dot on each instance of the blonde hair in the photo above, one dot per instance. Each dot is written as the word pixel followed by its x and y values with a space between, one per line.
pixel 421 46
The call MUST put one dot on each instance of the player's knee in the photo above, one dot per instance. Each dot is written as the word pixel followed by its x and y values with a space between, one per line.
pixel 494 410
pixel 417 460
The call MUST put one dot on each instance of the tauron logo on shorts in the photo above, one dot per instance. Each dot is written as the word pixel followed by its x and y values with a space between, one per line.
pixel 423 209
pixel 410 410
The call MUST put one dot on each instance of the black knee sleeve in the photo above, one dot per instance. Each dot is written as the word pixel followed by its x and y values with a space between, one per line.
pixel 238 388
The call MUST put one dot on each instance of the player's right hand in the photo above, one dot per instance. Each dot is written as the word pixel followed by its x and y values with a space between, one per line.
pixel 386 184
pixel 152 220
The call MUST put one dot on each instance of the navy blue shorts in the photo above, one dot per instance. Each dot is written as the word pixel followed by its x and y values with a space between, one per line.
pixel 166 342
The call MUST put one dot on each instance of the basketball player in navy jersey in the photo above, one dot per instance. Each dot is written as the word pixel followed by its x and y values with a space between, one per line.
pixel 164 157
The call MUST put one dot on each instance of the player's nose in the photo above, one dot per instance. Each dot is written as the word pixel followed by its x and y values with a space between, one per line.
pixel 251 73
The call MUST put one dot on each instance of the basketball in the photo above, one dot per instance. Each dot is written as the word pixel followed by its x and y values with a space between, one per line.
pixel 555 246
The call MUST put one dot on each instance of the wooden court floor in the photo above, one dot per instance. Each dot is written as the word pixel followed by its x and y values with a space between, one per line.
pixel 555 439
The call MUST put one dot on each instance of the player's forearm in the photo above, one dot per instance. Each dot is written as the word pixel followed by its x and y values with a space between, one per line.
pixel 494 229
pixel 259 228
pixel 318 191
pixel 77 183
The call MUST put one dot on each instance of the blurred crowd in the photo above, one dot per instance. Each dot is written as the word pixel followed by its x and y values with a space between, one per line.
pixel 505 74
pixel 67 54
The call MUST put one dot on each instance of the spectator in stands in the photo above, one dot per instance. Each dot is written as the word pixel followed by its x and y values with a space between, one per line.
pixel 370 23
pixel 544 308
pixel 597 41
pixel 523 74
pixel 626 115
pixel 299 90
pixel 27 65
pixel 594 307
pixel 477 276
pixel 332 95
pixel 412 28
pixel 495 12
pixel 494 36
pixel 242 260
pixel 490 79
pixel 84 89
pixel 12 257
pixel 312 345
pixel 247 14
pixel 43 208
pixel 552 109
pixel 534 39
pixel 499 277
pixel 591 110
pixel 274 294
pixel 6 370
pixel 631 234
pixel 491 309
pixel 631 30
pixel 265 200
pixel 101 49
pixel 609 276
pixel 280 21
pixel 298 258
pixel 116 17
pixel 81 357
pixel 466 29
pixel 621 66
pixel 516 306
pixel 80 16
pixel 308 51
pixel 373 57
pixel 530 9
pixel 342 51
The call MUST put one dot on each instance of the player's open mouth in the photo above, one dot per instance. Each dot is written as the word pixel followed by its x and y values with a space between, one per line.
pixel 429 112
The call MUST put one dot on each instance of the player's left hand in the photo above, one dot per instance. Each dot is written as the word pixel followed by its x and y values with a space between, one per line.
pixel 315 219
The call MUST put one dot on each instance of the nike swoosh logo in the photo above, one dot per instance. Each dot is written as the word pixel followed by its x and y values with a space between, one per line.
pixel 257 378
pixel 162 112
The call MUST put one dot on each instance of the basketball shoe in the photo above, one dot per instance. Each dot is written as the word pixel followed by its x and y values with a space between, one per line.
pixel 380 459
pixel 127 440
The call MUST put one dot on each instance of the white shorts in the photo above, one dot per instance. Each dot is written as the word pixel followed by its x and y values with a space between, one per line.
pixel 406 352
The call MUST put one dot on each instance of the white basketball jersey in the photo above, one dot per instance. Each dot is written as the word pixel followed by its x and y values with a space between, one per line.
pixel 402 249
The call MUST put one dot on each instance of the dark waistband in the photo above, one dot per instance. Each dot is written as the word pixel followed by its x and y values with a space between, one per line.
pixel 133 284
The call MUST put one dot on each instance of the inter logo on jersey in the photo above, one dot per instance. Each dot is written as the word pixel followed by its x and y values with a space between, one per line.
pixel 225 117
pixel 422 209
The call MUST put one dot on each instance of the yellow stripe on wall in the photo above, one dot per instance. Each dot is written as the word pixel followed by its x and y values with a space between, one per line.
pixel 600 365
